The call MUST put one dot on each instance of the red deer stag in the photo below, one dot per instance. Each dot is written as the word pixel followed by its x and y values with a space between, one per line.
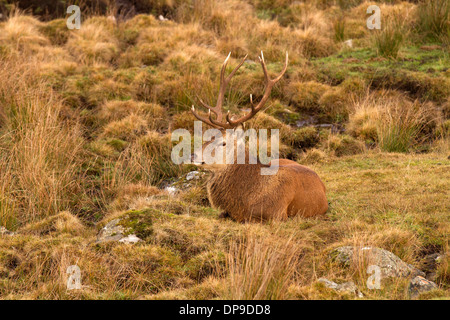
pixel 239 190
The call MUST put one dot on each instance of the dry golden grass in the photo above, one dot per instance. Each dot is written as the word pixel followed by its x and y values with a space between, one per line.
pixel 21 33
pixel 85 123
pixel 393 121
pixel 261 268
pixel 39 151
pixel 196 255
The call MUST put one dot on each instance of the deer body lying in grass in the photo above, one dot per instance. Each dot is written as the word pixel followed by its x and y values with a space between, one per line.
pixel 240 190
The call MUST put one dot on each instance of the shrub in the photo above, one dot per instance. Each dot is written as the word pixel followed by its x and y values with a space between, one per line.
pixel 147 160
pixel 39 169
pixel 399 127
pixel 334 105
pixel 127 128
pixel 312 156
pixel 313 44
pixel 283 112
pixel 265 121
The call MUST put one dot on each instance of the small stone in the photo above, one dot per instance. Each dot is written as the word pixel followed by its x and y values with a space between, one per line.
pixel 5 232
pixel 130 239
pixel 193 175
pixel 328 283
pixel 349 43
pixel 420 284
pixel 171 190
pixel 348 287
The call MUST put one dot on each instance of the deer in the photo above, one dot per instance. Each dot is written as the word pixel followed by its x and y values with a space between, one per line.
pixel 239 191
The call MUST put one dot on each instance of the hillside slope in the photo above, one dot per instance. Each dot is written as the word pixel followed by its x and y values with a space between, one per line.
pixel 85 123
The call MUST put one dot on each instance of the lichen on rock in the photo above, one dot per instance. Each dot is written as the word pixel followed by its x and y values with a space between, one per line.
pixel 130 227
pixel 389 263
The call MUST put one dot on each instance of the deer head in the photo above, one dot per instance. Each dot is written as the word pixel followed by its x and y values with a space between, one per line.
pixel 228 122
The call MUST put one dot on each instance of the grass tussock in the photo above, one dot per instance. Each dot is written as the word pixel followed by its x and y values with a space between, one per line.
pixel 260 269
pixel 389 39
pixel 21 33
pixel 94 42
pixel 393 122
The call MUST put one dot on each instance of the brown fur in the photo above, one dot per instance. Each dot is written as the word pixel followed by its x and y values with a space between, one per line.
pixel 245 195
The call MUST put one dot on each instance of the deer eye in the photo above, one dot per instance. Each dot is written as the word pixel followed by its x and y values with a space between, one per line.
pixel 223 144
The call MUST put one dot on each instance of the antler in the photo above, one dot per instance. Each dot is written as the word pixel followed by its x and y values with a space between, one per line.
pixel 230 124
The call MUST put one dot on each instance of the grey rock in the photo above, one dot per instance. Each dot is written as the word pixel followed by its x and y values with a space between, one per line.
pixel 185 182
pixel 193 175
pixel 348 287
pixel 420 284
pixel 349 43
pixel 113 231
pixel 171 190
pixel 389 263
pixel 130 227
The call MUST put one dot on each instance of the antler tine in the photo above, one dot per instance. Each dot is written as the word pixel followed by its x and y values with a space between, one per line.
pixel 284 69
pixel 251 101
pixel 224 81
pixel 229 124
pixel 205 120
pixel 269 84
pixel 203 103
pixel 223 86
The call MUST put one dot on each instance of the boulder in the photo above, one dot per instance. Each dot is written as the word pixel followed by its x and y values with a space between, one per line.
pixel 389 263
pixel 420 284
pixel 131 227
